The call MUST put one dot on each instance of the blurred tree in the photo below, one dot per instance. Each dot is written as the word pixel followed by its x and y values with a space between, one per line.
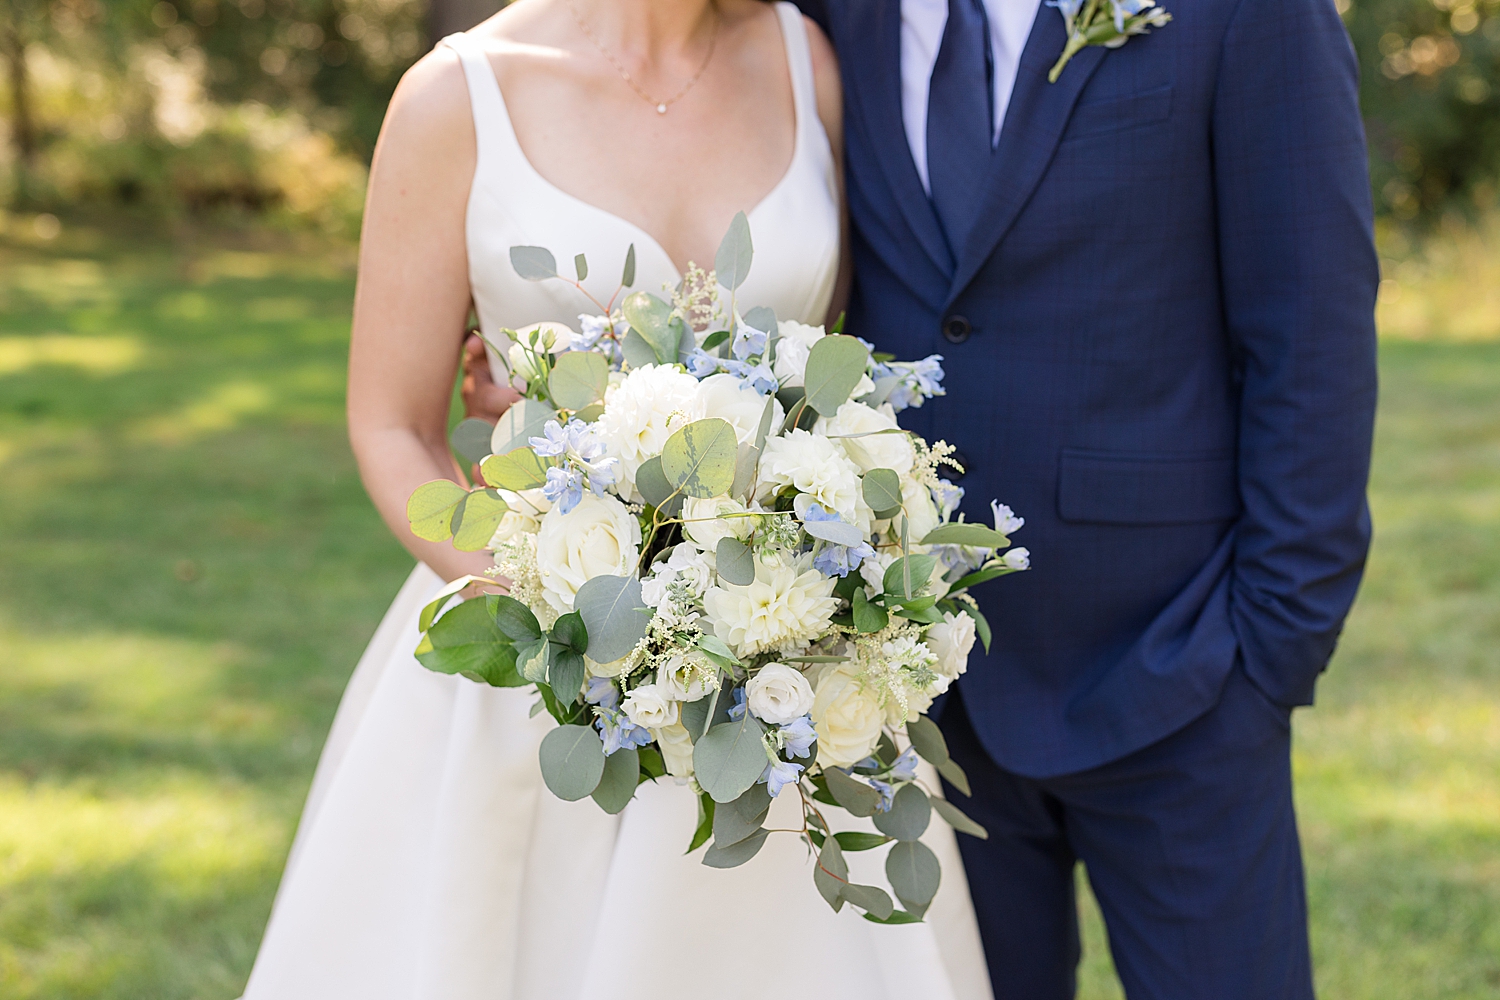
pixel 1431 97
pixel 444 17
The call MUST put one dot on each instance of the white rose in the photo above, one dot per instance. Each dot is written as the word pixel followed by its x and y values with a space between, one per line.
pixel 523 518
pixel 676 746
pixel 704 522
pixel 916 500
pixel 847 716
pixel 599 537
pixel 649 707
pixel 686 676
pixel 522 364
pixel 872 451
pixel 950 641
pixel 793 342
pixel 684 563
pixel 729 398
pixel 818 469
pixel 647 407
pixel 787 606
pixel 778 694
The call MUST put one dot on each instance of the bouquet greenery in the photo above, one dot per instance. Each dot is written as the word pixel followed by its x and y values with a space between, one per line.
pixel 725 563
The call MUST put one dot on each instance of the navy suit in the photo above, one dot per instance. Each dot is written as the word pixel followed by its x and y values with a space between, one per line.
pixel 1160 350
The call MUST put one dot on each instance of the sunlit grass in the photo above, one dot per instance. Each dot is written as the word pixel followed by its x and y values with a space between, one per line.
pixel 188 570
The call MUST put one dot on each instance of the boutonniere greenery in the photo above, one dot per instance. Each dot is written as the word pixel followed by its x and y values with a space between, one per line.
pixel 1109 23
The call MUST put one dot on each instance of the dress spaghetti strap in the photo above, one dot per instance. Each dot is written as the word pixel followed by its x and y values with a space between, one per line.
pixel 799 63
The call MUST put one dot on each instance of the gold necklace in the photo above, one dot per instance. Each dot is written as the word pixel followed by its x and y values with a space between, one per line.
pixel 661 106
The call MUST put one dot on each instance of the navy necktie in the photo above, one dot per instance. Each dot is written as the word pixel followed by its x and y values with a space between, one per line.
pixel 960 119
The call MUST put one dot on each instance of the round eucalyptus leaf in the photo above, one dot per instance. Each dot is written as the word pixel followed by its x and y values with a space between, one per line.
pixel 914 873
pixel 927 739
pixel 650 317
pixel 430 509
pixel 831 874
pixel 736 854
pixel 735 562
pixel 614 613
pixel 908 815
pixel 578 379
pixel 882 489
pixel 572 759
pixel 475 522
pixel 519 424
pixel 471 439
pixel 855 796
pixel 656 490
pixel 519 469
pixel 834 367
pixel 868 898
pixel 622 771
pixel 533 263
pixel 699 459
pixel 730 757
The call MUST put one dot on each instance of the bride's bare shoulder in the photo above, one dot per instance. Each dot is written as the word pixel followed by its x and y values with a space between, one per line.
pixel 430 107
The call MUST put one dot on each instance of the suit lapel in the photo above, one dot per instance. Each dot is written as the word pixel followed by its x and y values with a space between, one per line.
pixel 1034 124
pixel 874 61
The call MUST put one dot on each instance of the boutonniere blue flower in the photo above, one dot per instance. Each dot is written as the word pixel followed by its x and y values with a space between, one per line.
pixel 1109 23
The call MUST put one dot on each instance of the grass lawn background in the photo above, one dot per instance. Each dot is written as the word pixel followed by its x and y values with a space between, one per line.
pixel 189 569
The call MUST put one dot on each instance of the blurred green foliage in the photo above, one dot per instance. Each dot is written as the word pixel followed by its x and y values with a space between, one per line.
pixel 1431 98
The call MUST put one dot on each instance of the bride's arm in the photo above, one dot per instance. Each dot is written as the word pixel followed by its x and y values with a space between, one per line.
pixel 830 91
pixel 412 300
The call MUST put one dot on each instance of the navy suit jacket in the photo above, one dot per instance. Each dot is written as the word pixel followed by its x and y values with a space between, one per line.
pixel 1160 350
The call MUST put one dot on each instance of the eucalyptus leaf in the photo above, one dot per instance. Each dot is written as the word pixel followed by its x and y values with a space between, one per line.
pixel 581 266
pixel 858 798
pixel 652 766
pixel 732 262
pixel 737 853
pixel 834 367
pixel 705 828
pixel 578 379
pixel 615 614
pixel 962 533
pixel 517 470
pixel 466 641
pixel 525 420
pixel 921 567
pixel 627 275
pixel 730 757
pixel 908 816
pixel 836 532
pixel 637 350
pixel 735 561
pixel 958 819
pixel 695 714
pixel 572 759
pixel 533 263
pixel 652 319
pixel 516 620
pixel 762 318
pixel 955 776
pixel 868 898
pixel 471 439
pixel 477 518
pixel 868 617
pixel 927 739
pixel 831 874
pixel 755 803
pixel 656 490
pixel 431 507
pixel 744 472
pixel 914 873
pixel 884 386
pixel 699 459
pixel 617 786
pixel 763 431
pixel 590 413
pixel 882 489
pixel 731 825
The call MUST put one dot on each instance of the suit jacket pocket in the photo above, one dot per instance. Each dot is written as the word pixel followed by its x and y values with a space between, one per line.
pixel 1106 487
pixel 1116 114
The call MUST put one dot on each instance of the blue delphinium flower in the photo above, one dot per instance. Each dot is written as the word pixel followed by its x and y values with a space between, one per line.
pixel 700 364
pixel 905 768
pixel 887 793
pixel 758 377
pixel 832 559
pixel 798 736
pixel 564 487
pixel 1006 522
pixel 778 774
pixel 947 496
pixel 617 731
pixel 748 343
pixel 1069 8
pixel 553 442
pixel 737 710
pixel 601 691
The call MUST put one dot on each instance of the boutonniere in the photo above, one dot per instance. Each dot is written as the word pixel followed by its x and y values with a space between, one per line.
pixel 1109 23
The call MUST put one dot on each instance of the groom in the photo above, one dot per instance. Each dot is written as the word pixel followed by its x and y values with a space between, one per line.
pixel 1153 285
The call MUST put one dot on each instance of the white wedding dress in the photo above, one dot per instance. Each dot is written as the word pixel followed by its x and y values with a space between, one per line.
pixel 432 864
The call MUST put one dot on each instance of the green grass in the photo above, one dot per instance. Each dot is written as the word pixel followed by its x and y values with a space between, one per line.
pixel 189 568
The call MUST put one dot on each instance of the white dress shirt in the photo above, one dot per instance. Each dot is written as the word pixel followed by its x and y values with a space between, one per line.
pixel 922 23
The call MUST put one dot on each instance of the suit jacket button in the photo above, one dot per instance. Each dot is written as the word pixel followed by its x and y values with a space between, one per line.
pixel 962 460
pixel 956 329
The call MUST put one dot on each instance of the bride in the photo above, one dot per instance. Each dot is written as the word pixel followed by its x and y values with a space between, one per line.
pixel 430 861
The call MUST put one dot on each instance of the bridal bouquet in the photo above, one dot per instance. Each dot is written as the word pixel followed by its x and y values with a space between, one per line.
pixel 726 563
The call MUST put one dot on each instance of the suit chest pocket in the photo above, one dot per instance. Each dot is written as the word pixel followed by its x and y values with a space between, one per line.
pixel 1119 114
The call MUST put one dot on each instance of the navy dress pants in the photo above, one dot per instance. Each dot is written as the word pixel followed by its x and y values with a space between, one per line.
pixel 1191 848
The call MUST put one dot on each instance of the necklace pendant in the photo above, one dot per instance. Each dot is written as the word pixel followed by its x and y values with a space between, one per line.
pixel 661 109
